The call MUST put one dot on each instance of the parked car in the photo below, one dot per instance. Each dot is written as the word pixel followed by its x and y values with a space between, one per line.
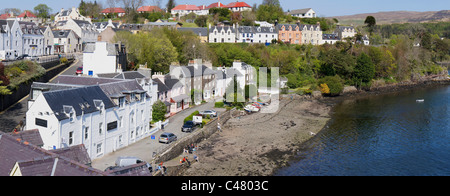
pixel 79 71
pixel 167 138
pixel 24 56
pixel 188 126
pixel 209 112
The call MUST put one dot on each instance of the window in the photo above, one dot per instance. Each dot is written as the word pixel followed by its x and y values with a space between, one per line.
pixel 113 125
pixel 71 138
pixel 99 149
pixel 100 129
pixel 121 102
pixel 41 122
pixel 86 133
pixel 121 121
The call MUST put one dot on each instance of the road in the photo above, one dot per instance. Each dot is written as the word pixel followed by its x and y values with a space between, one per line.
pixel 144 148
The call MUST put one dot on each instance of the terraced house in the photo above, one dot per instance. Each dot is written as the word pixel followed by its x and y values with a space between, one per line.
pixel 104 114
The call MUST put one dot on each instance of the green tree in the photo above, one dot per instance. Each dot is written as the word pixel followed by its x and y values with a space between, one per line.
pixel 201 21
pixel 159 111
pixel 370 22
pixel 170 5
pixel 364 69
pixel 42 10
pixel 334 84
pixel 269 13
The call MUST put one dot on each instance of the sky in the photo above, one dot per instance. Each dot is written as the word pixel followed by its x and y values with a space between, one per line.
pixel 323 8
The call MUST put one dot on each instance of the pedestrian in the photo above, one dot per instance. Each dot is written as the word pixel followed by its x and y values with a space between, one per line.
pixel 196 158
pixel 218 127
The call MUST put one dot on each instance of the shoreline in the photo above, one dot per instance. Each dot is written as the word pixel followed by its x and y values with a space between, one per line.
pixel 271 141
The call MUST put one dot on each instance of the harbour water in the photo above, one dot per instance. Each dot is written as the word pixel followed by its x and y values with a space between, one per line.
pixel 385 135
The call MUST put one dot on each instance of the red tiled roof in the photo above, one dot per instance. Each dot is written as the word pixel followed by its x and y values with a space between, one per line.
pixel 149 9
pixel 186 7
pixel 113 10
pixel 28 14
pixel 5 16
pixel 238 4
pixel 218 4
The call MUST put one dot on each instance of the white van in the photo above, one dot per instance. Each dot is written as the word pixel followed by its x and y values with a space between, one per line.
pixel 127 161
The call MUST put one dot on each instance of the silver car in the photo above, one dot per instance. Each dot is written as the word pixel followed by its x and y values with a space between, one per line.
pixel 211 113
pixel 167 138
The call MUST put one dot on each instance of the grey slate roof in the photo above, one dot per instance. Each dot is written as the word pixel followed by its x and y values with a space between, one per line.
pixel 111 48
pixel 196 31
pixel 62 79
pixel 81 99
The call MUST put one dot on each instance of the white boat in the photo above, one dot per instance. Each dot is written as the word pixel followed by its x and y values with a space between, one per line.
pixel 420 100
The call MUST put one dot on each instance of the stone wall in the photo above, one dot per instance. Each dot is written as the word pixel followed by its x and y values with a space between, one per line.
pixel 196 137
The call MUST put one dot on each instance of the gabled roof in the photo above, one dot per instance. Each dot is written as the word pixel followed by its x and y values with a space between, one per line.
pixel 34 161
pixel 81 99
pixel 84 81
pixel 197 31
pixel 28 14
pixel 186 7
pixel 299 11
pixel 33 136
pixel 113 10
pixel 149 9
pixel 77 153
pixel 214 5
pixel 238 4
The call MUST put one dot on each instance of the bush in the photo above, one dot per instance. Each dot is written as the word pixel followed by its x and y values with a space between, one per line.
pixel 219 105
pixel 63 60
pixel 324 89
pixel 334 83
pixel 191 117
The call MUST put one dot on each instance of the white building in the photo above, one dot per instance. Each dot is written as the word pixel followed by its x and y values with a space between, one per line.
pixel 11 42
pixel 104 117
pixel 311 34
pixel 265 35
pixel 73 13
pixel 345 31
pixel 33 39
pixel 303 13
pixel 330 38
pixel 66 41
pixel 219 34
pixel 49 43
pixel 239 7
pixel 103 57
pixel 185 9
pixel 84 29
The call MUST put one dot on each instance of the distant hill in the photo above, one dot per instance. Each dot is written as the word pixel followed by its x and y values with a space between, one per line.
pixel 397 17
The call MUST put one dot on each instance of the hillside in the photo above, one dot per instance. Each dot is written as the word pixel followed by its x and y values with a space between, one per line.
pixel 396 17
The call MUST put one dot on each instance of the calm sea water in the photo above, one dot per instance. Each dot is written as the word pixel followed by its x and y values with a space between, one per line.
pixel 382 135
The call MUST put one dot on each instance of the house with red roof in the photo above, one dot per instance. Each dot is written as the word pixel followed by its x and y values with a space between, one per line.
pixel 144 9
pixel 183 10
pixel 114 10
pixel 239 6
pixel 216 5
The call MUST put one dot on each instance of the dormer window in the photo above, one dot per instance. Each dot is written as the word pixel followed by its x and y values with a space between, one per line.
pixel 70 112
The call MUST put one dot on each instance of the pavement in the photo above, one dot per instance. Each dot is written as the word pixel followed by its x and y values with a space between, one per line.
pixel 144 148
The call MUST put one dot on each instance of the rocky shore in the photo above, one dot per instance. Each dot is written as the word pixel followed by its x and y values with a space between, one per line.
pixel 258 144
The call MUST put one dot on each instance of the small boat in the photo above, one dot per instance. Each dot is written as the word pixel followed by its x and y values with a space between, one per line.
pixel 420 100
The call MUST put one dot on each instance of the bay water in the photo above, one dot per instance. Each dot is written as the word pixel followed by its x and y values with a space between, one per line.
pixel 383 135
